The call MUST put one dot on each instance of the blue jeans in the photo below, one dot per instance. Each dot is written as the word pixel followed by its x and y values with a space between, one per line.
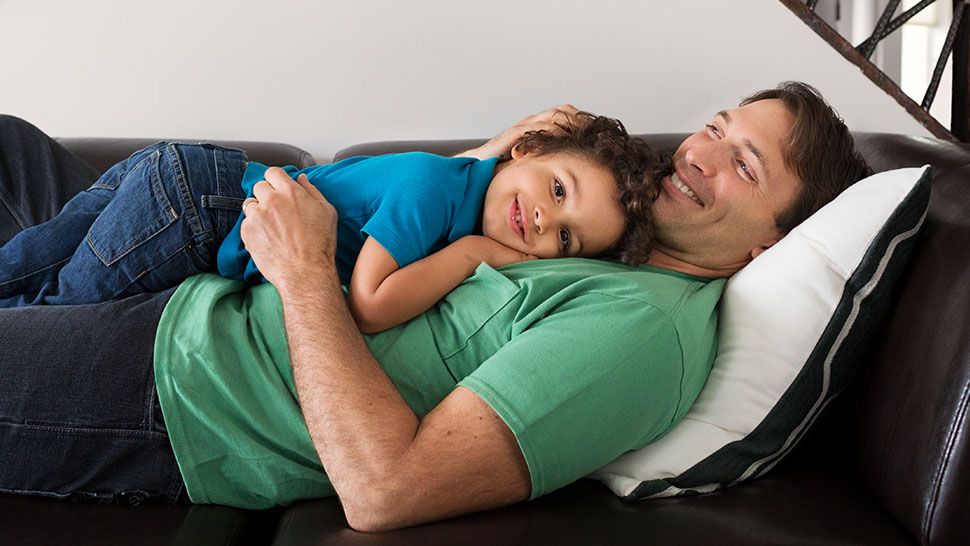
pixel 147 224
pixel 79 414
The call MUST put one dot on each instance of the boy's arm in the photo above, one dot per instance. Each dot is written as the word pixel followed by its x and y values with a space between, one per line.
pixel 383 295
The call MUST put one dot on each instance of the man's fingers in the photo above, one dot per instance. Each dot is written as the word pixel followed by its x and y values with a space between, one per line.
pixel 263 190
pixel 304 182
pixel 275 180
pixel 249 201
pixel 278 179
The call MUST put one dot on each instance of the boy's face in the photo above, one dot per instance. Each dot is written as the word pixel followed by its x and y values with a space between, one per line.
pixel 553 205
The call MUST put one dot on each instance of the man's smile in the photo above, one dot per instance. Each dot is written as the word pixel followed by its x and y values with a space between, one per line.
pixel 680 189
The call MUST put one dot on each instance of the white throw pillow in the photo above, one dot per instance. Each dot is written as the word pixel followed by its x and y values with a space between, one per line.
pixel 793 324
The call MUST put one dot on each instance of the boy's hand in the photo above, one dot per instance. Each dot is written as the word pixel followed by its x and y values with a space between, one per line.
pixel 479 249
pixel 557 121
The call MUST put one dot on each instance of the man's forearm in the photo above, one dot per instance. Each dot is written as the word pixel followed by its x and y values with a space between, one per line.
pixel 389 469
pixel 359 423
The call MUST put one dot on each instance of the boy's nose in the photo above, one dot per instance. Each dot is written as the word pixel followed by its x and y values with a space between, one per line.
pixel 539 219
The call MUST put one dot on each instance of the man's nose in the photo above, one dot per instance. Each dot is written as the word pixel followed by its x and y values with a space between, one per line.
pixel 705 158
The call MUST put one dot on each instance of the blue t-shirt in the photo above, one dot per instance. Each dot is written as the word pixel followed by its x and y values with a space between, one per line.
pixel 413 204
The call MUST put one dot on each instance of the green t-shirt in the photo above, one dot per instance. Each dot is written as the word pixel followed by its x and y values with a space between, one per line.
pixel 583 359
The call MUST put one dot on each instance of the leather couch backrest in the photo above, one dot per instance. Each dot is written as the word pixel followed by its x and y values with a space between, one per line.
pixel 904 430
pixel 101 153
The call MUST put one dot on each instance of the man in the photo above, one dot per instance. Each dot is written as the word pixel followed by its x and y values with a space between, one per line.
pixel 517 383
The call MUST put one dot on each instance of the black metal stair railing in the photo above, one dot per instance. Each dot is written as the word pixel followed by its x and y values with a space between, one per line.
pixel 957 41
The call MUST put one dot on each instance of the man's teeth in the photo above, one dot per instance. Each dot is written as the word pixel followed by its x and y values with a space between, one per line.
pixel 675 180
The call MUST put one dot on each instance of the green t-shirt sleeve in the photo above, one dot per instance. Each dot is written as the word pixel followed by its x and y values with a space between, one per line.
pixel 599 376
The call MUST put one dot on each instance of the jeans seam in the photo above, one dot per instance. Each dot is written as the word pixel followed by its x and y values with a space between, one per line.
pixel 145 272
pixel 148 152
pixel 32 273
pixel 196 241
pixel 191 213
pixel 20 222
pixel 150 409
pixel 178 484
pixel 34 492
pixel 83 430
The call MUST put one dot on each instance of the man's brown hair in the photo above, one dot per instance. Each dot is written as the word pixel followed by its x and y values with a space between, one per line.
pixel 820 151
pixel 636 167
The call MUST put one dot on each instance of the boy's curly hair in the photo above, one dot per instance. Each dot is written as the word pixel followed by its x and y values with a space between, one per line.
pixel 636 167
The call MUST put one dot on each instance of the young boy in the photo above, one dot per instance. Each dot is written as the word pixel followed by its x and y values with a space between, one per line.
pixel 405 228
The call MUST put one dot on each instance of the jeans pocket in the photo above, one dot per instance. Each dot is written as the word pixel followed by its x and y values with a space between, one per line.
pixel 137 213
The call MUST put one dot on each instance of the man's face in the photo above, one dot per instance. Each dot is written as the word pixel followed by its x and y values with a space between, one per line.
pixel 718 209
pixel 553 205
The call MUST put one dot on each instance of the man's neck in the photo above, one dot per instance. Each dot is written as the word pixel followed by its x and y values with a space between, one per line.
pixel 665 260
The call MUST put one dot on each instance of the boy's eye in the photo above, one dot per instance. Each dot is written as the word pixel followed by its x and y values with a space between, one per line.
pixel 558 190
pixel 564 239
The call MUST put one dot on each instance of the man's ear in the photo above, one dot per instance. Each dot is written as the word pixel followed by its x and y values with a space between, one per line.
pixel 759 249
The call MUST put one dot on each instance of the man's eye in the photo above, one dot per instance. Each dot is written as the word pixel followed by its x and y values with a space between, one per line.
pixel 558 190
pixel 714 131
pixel 564 238
pixel 747 170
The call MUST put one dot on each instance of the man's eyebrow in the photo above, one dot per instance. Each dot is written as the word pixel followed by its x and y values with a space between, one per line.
pixel 749 145
pixel 758 155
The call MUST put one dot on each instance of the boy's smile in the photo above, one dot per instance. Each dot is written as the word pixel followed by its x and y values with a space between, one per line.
pixel 519 224
pixel 553 205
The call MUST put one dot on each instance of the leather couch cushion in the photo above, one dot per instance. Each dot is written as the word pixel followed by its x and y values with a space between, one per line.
pixel 794 504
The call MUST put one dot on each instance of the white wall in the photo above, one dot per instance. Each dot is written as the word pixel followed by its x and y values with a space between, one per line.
pixel 324 75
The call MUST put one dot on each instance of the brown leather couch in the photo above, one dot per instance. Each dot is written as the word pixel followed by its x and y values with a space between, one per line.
pixel 889 462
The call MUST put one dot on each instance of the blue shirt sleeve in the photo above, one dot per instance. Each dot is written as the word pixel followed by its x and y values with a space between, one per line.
pixel 420 204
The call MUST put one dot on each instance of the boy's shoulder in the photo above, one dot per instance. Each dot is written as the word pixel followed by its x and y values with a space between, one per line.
pixel 416 160
pixel 425 173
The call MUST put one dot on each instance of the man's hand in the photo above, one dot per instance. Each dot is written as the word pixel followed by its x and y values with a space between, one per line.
pixel 479 249
pixel 559 120
pixel 290 228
